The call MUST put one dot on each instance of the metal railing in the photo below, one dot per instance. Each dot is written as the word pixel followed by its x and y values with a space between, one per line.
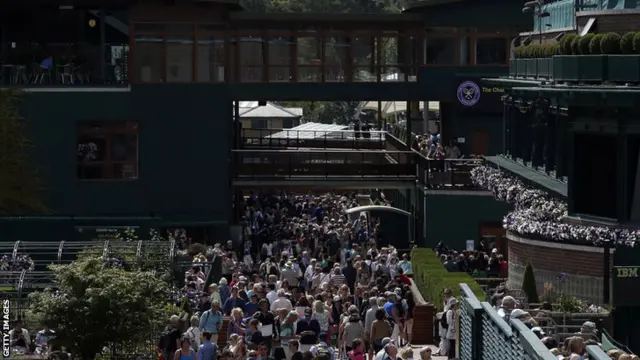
pixel 447 173
pixel 290 164
pixel 319 139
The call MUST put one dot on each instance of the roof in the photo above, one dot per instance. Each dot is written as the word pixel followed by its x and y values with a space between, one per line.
pixel 308 130
pixel 251 109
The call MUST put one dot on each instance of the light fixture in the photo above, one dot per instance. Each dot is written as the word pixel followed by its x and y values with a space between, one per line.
pixel 92 23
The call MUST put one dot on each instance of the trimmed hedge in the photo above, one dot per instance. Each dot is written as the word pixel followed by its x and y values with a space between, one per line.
pixel 432 278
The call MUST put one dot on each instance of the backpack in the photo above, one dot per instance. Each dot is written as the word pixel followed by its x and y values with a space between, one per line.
pixel 443 320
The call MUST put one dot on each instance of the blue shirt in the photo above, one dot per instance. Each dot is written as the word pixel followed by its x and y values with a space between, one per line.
pixel 210 321
pixel 225 293
pixel 207 351
pixel 251 308
pixel 388 308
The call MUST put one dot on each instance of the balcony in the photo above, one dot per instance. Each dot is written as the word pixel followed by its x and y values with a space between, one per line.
pixel 617 69
pixel 312 139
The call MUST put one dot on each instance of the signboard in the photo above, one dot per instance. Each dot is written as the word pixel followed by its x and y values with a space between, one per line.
pixel 625 277
pixel 102 233
pixel 473 95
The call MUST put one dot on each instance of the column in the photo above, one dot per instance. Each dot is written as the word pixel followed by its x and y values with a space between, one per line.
pixel 505 126
pixel 516 131
pixel 561 144
pixel 540 115
pixel 526 126
pixel 621 168
pixel 550 141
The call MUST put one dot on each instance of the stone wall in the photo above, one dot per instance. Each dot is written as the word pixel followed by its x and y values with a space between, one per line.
pixel 571 269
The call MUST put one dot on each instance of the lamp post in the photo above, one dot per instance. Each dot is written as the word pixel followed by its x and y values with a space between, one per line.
pixel 537 8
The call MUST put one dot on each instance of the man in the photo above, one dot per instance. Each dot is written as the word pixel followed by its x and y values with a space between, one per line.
pixel 272 295
pixel 350 273
pixel 294 347
pixel 170 339
pixel 19 337
pixel 405 265
pixel 211 321
pixel 289 274
pixel 451 330
pixel 388 346
pixel 308 328
pixel 267 322
pixel 507 306
pixel 370 315
pixel 233 302
pixel 207 350
pixel 281 302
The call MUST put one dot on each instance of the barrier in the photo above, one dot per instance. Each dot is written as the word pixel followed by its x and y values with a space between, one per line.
pixel 484 335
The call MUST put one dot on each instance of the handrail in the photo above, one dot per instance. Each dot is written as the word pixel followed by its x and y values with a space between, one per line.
pixel 317 151
pixel 595 353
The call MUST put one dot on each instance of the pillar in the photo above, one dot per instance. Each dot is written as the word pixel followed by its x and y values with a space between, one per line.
pixel 621 168
pixel 526 125
pixel 550 141
pixel 416 116
pixel 539 125
pixel 561 144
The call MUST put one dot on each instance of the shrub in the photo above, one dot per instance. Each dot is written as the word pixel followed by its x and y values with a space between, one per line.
pixel 626 43
pixel 636 43
pixel 565 44
pixel 432 278
pixel 529 284
pixel 520 51
pixel 610 43
pixel 553 49
pixel 583 43
pixel 575 46
pixel 594 45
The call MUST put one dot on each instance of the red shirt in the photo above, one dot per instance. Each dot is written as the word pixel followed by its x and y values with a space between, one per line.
pixel 405 279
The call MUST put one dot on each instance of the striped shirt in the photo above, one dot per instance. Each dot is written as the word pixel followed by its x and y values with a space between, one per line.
pixel 338 280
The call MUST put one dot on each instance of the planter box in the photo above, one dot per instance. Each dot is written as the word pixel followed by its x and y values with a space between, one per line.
pixel 580 68
pixel 624 68
pixel 531 66
pixel 545 68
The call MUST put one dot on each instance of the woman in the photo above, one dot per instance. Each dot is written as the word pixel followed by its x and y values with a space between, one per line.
pixel 575 349
pixel 193 333
pixel 224 290
pixel 352 330
pixel 236 346
pixel 425 353
pixel 380 329
pixel 322 315
pixel 215 294
pixel 235 322
pixel 408 315
pixel 364 273
pixel 287 332
pixel 185 352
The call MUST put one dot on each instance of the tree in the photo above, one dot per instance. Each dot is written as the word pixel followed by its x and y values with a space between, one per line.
pixel 529 284
pixel 97 306
pixel 20 185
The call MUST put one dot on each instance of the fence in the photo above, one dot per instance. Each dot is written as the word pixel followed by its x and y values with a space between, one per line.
pixel 484 335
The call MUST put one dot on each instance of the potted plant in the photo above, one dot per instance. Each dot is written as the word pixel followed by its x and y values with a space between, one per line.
pixel 565 65
pixel 625 68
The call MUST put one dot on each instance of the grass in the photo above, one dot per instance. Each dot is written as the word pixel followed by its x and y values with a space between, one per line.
pixel 432 278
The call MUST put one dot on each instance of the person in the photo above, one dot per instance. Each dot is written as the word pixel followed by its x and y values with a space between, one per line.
pixel 211 320
pixel 207 350
pixel 294 348
pixel 19 337
pixel 389 351
pixel 281 302
pixel 287 332
pixel 425 353
pixel 358 350
pixel 185 352
pixel 233 302
pixel 193 333
pixel 267 322
pixel 170 339
pixel 380 331
pixel 451 329
pixel 308 329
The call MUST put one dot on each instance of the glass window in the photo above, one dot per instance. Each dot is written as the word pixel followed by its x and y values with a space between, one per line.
pixel 179 59
pixel 259 124
pixel 441 51
pixel 211 59
pixel 107 151
pixel 148 59
pixel 491 51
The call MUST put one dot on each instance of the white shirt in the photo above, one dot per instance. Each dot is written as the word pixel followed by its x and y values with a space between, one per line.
pixel 281 303
pixel 268 248
pixel 308 274
pixel 272 296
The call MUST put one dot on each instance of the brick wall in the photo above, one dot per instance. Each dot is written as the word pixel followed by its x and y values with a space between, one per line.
pixel 582 264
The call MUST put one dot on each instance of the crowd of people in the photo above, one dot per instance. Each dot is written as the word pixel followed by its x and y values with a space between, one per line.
pixel 482 262
pixel 540 216
pixel 307 282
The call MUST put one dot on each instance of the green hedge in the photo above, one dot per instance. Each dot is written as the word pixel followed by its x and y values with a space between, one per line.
pixel 432 278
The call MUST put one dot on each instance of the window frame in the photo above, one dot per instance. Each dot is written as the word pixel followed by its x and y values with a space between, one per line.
pixel 109 129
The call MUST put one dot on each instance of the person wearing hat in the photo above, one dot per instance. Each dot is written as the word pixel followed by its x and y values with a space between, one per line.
pixel 289 274
pixel 308 328
pixel 451 329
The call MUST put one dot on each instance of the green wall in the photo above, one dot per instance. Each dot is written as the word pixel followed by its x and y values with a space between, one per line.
pixel 454 219
pixel 183 149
